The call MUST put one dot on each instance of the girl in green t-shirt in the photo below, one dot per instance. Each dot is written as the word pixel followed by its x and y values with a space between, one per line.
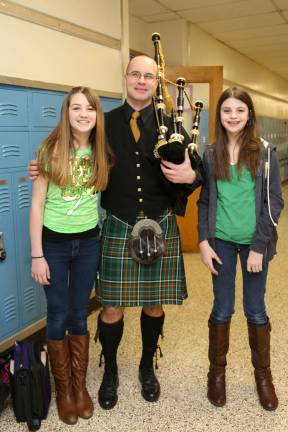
pixel 73 163
pixel 239 207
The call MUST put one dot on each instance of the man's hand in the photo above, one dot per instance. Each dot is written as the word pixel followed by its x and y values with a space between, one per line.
pixel 208 255
pixel 182 173
pixel 254 262
pixel 33 170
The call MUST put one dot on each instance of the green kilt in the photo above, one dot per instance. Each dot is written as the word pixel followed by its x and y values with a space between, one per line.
pixel 125 282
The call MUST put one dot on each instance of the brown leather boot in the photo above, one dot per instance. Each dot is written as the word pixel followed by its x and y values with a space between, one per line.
pixel 79 350
pixel 218 348
pixel 59 356
pixel 259 341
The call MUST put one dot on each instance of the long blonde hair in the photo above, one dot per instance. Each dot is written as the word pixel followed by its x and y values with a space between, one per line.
pixel 56 150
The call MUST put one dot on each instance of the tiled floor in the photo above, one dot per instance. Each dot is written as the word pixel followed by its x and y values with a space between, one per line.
pixel 183 406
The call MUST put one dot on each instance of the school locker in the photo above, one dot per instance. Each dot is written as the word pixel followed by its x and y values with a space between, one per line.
pixel 26 118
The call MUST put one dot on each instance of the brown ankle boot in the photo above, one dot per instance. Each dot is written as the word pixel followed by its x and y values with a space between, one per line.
pixel 59 357
pixel 218 348
pixel 259 341
pixel 79 349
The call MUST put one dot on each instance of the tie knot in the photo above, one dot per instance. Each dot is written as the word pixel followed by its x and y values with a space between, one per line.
pixel 135 115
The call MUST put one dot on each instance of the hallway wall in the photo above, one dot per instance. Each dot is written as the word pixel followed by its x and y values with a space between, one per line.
pixel 63 43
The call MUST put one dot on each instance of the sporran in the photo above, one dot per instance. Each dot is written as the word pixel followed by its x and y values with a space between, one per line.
pixel 146 243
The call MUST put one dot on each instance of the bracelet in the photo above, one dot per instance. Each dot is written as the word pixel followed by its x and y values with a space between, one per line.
pixel 42 256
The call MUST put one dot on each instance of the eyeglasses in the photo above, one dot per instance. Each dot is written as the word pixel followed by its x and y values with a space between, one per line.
pixel 136 75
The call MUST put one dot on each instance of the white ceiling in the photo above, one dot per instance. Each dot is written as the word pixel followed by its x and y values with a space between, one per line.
pixel 256 28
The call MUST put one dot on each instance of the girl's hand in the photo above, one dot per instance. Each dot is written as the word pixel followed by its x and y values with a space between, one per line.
pixel 208 255
pixel 254 262
pixel 40 271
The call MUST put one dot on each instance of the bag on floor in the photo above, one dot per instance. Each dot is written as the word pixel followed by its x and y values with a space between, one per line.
pixel 30 383
pixel 4 380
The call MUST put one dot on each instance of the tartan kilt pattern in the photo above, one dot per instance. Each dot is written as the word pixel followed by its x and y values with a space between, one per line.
pixel 125 282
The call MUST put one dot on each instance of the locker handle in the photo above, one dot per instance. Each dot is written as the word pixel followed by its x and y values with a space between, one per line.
pixel 2 249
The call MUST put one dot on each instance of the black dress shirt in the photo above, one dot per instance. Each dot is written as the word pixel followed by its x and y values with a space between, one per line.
pixel 136 181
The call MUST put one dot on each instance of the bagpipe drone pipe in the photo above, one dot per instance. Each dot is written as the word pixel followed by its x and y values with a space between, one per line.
pixel 173 148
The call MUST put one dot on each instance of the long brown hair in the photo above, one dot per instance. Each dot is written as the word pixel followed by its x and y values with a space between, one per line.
pixel 56 150
pixel 250 144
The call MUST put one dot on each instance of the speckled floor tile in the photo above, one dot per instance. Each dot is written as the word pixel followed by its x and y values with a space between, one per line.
pixel 183 406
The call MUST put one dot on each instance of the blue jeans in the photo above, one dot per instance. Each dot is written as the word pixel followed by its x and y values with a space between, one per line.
pixel 73 268
pixel 254 285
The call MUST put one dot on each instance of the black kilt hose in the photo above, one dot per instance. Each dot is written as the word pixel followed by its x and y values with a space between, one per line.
pixel 124 282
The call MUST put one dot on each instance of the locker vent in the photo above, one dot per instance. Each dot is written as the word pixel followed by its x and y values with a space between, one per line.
pixel 8 109
pixel 5 204
pixel 49 111
pixel 23 196
pixel 29 299
pixel 9 308
pixel 10 150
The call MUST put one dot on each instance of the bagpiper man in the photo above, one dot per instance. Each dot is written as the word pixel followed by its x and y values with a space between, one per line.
pixel 140 189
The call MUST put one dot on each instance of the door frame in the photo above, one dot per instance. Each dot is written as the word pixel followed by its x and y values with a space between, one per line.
pixel 212 75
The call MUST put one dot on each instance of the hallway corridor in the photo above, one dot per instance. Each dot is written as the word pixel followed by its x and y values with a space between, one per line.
pixel 183 406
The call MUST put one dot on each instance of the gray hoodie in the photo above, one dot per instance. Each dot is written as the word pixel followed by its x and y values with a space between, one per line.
pixel 265 236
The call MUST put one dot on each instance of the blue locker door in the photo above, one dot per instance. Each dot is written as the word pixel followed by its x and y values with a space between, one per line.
pixel 36 138
pixel 29 291
pixel 13 108
pixel 43 303
pixel 13 148
pixel 45 109
pixel 9 301
pixel 109 103
pixel 203 139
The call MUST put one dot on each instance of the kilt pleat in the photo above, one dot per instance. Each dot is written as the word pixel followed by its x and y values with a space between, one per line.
pixel 124 282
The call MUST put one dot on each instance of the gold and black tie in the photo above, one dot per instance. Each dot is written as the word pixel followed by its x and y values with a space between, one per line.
pixel 134 126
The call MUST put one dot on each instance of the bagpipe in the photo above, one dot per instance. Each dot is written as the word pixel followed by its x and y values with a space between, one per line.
pixel 173 148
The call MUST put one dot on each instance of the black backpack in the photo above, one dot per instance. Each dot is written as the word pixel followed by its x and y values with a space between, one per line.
pixel 30 384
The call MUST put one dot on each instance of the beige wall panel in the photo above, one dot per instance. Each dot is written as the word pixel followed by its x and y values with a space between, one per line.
pixel 37 53
pixel 139 38
pixel 173 42
pixel 269 108
pixel 98 15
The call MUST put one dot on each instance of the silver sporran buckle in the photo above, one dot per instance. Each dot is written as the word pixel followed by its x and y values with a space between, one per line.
pixel 146 243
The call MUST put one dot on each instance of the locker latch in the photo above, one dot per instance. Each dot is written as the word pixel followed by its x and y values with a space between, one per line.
pixel 2 250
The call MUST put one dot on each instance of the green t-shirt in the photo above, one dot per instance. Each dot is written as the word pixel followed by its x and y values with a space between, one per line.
pixel 74 207
pixel 236 208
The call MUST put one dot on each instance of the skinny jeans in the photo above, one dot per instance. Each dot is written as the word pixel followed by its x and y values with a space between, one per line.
pixel 254 285
pixel 73 268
